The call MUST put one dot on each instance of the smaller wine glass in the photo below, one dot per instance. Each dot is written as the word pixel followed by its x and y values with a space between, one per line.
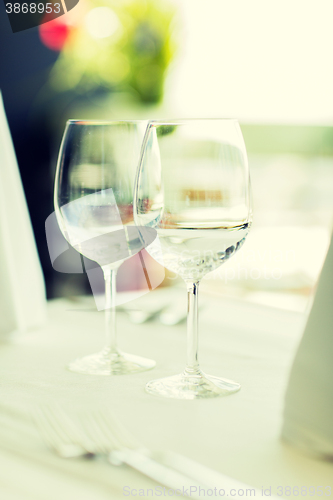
pixel 193 187
pixel 93 200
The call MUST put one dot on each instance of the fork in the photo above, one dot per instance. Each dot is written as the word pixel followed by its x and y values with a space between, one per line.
pixel 99 434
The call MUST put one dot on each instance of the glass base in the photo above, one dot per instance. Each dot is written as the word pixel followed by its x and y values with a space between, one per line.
pixel 111 363
pixel 192 385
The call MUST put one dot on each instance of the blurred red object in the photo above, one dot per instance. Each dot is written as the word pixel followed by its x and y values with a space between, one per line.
pixel 54 34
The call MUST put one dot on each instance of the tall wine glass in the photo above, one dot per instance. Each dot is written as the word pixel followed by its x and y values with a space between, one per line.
pixel 93 200
pixel 193 187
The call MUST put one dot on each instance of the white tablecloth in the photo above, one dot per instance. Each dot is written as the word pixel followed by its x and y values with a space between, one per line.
pixel 236 435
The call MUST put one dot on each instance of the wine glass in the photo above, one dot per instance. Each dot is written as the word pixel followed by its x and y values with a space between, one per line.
pixel 93 201
pixel 193 187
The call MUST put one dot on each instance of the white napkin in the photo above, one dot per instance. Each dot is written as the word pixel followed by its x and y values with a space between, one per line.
pixel 308 413
pixel 22 290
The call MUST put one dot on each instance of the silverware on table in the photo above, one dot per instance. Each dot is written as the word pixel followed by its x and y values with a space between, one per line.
pixel 97 433
pixel 170 314
pixel 139 316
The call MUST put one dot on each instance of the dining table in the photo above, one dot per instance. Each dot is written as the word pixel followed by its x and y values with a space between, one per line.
pixel 238 436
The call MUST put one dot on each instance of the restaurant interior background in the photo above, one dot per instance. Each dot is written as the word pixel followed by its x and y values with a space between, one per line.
pixel 266 63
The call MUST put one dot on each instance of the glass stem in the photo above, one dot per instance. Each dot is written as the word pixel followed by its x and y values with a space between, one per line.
pixel 110 276
pixel 192 328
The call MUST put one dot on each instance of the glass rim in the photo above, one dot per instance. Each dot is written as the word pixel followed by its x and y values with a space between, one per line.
pixel 183 121
pixel 103 122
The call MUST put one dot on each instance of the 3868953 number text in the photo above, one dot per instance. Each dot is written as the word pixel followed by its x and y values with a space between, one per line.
pixel 32 8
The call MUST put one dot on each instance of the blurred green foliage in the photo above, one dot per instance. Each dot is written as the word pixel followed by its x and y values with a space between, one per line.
pixel 133 58
pixel 165 130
